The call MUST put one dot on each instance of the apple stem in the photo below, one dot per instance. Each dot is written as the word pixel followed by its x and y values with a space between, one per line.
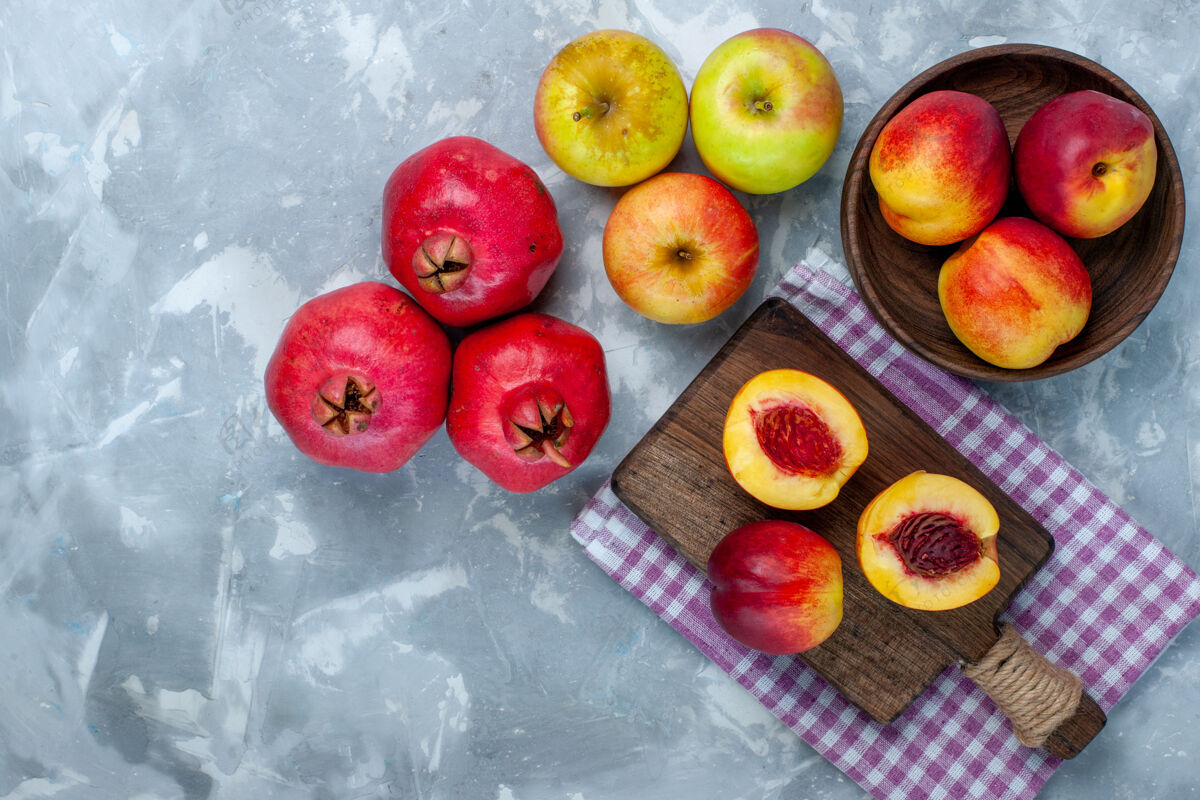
pixel 1099 169
pixel 684 254
pixel 763 105
pixel 600 109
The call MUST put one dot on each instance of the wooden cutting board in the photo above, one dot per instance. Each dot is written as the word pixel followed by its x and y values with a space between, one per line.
pixel 882 656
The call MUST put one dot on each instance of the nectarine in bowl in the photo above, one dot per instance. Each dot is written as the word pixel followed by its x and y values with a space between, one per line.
pixel 1129 267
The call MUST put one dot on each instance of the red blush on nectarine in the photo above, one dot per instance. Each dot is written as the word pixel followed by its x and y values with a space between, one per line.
pixel 1014 293
pixel 792 440
pixel 777 586
pixel 941 167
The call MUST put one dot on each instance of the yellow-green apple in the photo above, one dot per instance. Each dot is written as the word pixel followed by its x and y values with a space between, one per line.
pixel 766 111
pixel 1015 292
pixel 941 167
pixel 1085 163
pixel 611 108
pixel 777 586
pixel 680 248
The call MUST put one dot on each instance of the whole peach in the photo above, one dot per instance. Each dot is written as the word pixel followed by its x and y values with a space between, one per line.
pixel 1085 163
pixel 1015 292
pixel 777 586
pixel 941 167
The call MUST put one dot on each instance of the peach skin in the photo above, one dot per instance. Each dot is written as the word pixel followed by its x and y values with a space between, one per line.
pixel 1014 293
pixel 941 167
pixel 1085 163
pixel 777 586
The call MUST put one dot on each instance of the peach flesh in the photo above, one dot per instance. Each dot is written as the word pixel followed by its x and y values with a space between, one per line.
pixel 791 440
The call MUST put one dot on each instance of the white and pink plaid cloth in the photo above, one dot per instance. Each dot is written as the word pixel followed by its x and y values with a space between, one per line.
pixel 1108 601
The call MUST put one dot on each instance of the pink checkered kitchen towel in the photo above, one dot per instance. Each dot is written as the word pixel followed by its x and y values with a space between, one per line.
pixel 1105 605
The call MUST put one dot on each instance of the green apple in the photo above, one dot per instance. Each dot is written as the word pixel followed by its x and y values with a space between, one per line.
pixel 766 111
pixel 611 108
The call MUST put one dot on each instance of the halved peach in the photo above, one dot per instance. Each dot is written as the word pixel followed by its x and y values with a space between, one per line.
pixel 791 440
pixel 928 542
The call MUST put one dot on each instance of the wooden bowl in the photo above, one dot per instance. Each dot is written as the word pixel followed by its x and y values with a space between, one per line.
pixel 1129 267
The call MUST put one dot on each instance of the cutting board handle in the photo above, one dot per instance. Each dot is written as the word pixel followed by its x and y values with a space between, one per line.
pixel 1046 704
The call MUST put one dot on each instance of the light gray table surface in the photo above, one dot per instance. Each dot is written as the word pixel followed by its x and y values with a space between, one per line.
pixel 189 608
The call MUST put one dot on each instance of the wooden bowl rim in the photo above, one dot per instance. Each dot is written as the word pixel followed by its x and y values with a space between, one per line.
pixel 971 366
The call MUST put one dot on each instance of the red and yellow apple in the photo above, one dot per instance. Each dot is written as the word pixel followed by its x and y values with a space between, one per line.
pixel 941 167
pixel 611 108
pixel 766 111
pixel 679 248
pixel 929 542
pixel 777 586
pixel 1085 163
pixel 792 440
pixel 1014 293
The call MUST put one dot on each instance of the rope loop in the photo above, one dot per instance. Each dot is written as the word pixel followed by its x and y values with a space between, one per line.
pixel 1036 695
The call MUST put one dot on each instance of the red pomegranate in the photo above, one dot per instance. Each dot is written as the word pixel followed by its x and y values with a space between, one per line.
pixel 360 377
pixel 529 399
pixel 469 230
